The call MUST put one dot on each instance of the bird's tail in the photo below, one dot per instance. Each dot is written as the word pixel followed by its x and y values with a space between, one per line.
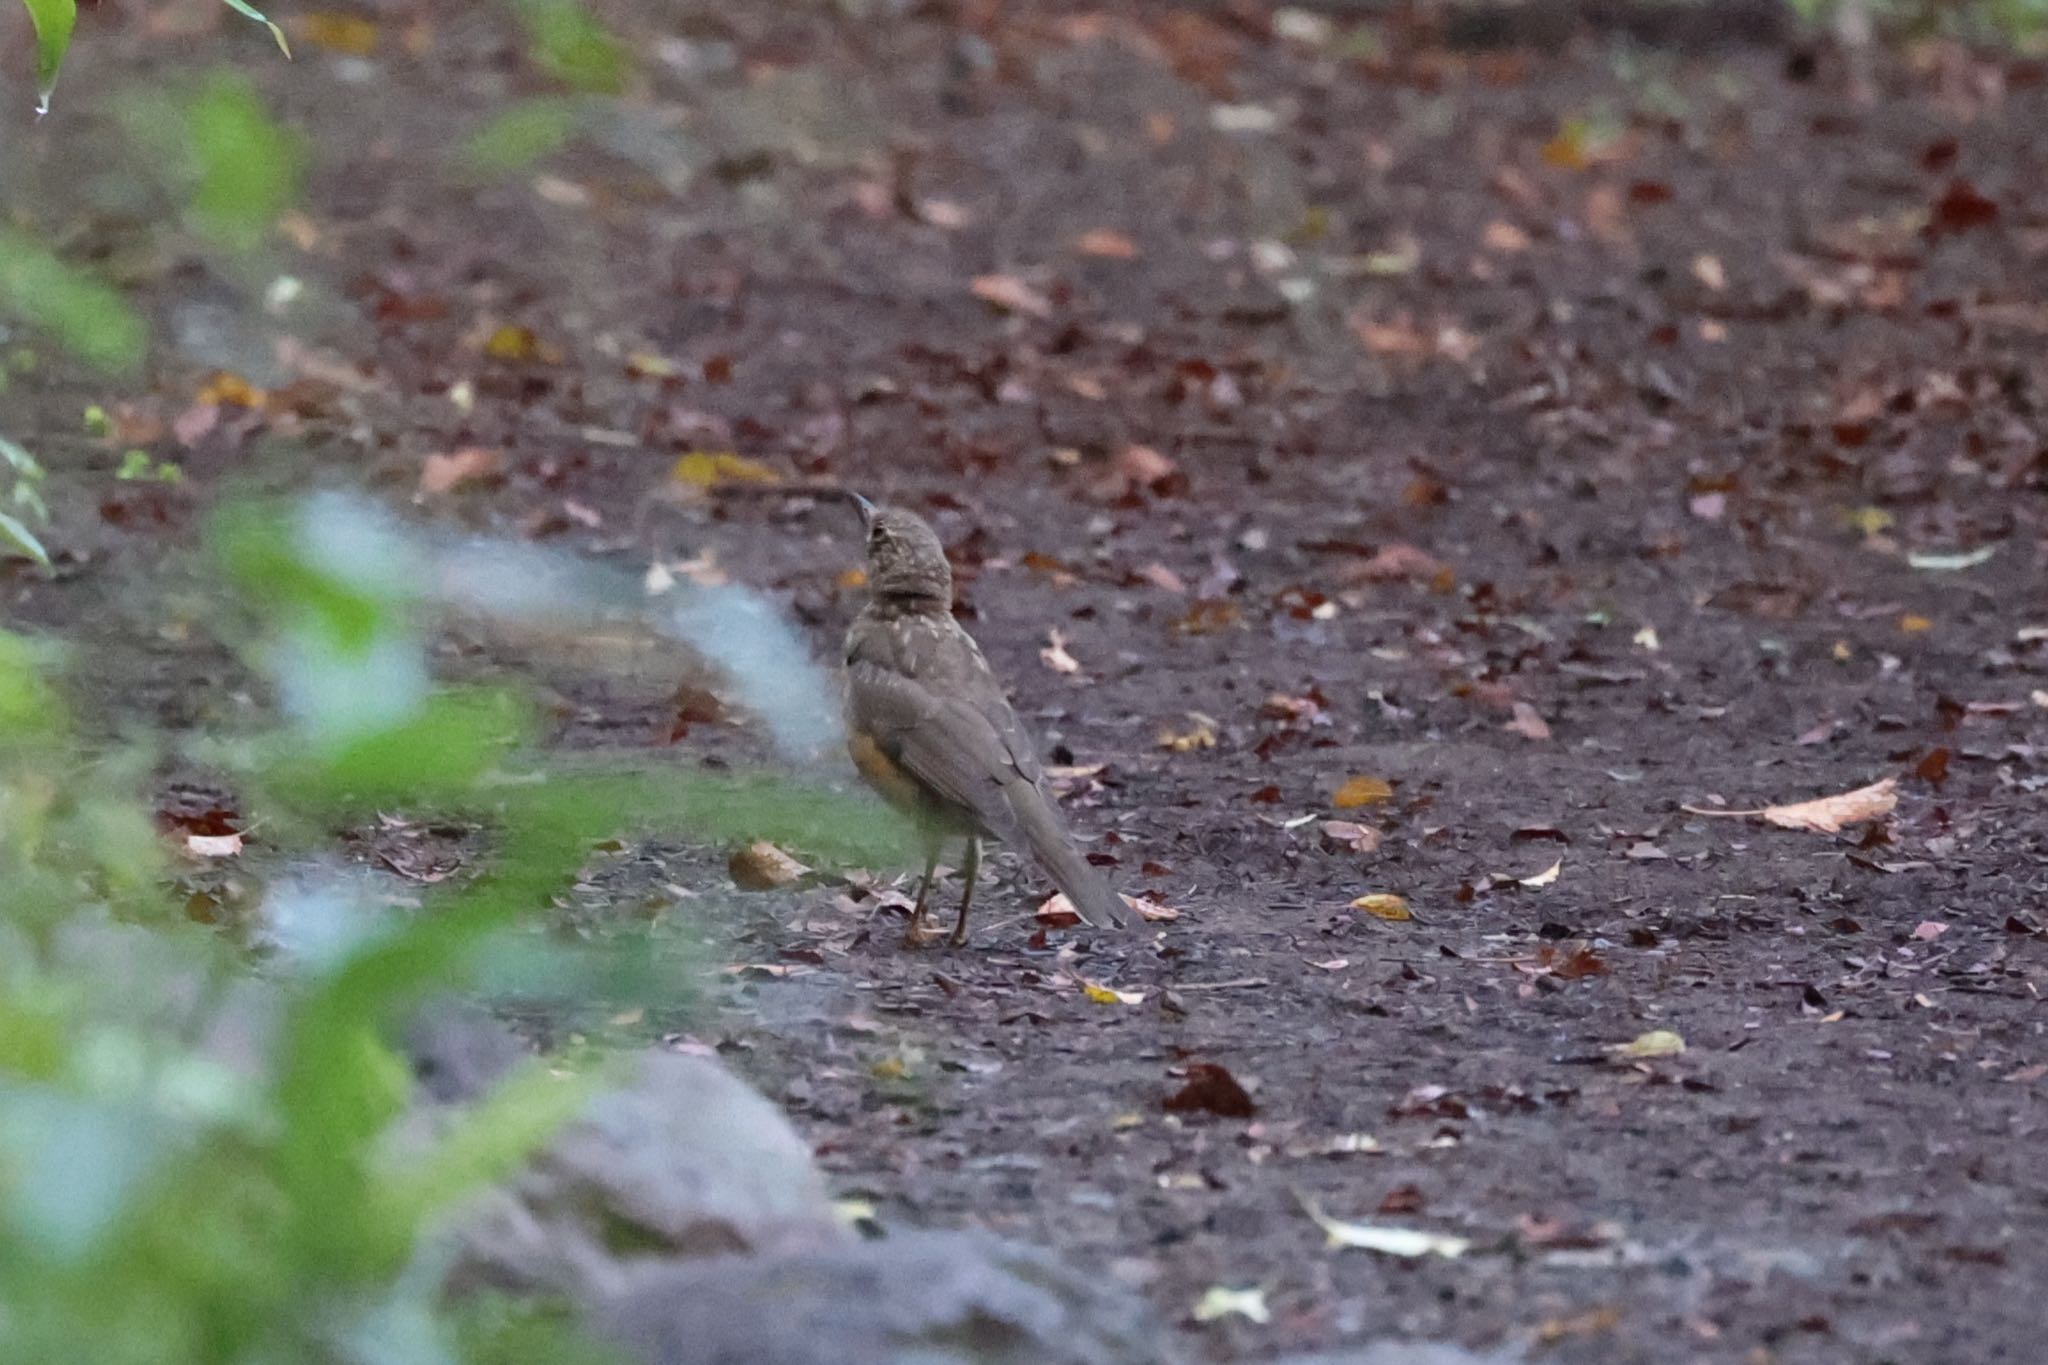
pixel 1095 901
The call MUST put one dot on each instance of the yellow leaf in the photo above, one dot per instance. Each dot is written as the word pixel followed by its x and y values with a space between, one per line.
pixel 1106 995
pixel 889 1069
pixel 1200 735
pixel 512 343
pixel 343 33
pixel 851 579
pixel 224 390
pixel 1871 521
pixel 1362 791
pixel 711 468
pixel 1656 1043
pixel 1914 624
pixel 1383 905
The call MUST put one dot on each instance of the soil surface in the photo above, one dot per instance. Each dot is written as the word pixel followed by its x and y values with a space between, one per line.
pixel 1555 436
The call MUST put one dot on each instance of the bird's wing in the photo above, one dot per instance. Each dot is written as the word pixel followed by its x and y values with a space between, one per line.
pixel 947 744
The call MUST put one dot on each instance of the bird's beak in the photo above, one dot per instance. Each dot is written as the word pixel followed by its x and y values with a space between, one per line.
pixel 867 511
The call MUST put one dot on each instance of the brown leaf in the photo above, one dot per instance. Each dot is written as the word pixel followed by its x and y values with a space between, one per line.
pixel 1345 834
pixel 1211 1089
pixel 761 866
pixel 1962 207
pixel 446 473
pixel 1826 815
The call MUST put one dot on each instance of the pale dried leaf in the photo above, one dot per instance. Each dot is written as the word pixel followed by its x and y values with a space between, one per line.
pixel 1056 657
pixel 1826 815
pixel 1409 1243
pixel 1012 295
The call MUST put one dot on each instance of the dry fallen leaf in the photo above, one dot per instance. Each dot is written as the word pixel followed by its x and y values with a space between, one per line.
pixel 1107 243
pixel 1348 834
pixel 1362 791
pixel 1144 466
pixel 1656 1043
pixel 1012 295
pixel 1057 912
pixel 1505 237
pixel 710 468
pixel 1220 1302
pixel 761 866
pixel 1388 1241
pixel 1383 905
pixel 1056 657
pixel 445 473
pixel 1200 734
pixel 1109 995
pixel 213 845
pixel 1828 814
pixel 1527 723
pixel 1544 878
pixel 1212 1089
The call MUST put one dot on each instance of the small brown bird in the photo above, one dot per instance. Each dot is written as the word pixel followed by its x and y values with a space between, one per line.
pixel 930 729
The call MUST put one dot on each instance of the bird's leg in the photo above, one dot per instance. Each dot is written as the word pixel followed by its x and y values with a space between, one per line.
pixel 968 872
pixel 914 936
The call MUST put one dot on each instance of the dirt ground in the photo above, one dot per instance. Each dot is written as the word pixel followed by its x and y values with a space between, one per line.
pixel 1561 436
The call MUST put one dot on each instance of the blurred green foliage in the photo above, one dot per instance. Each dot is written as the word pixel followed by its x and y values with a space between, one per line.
pixel 246 167
pixel 520 135
pixel 2001 22
pixel 160 1205
pixel 86 316
pixel 568 43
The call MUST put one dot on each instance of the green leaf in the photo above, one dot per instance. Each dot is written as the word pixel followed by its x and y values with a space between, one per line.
pixel 24 539
pixel 19 460
pixel 243 8
pixel 89 318
pixel 53 21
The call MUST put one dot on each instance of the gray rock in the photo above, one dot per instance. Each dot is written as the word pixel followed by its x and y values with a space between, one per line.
pixel 913 1299
pixel 458 1050
pixel 683 1161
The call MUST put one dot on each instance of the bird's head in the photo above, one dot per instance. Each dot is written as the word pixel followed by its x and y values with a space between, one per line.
pixel 905 559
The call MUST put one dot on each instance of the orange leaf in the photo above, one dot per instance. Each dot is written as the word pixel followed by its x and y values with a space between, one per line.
pixel 1362 791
